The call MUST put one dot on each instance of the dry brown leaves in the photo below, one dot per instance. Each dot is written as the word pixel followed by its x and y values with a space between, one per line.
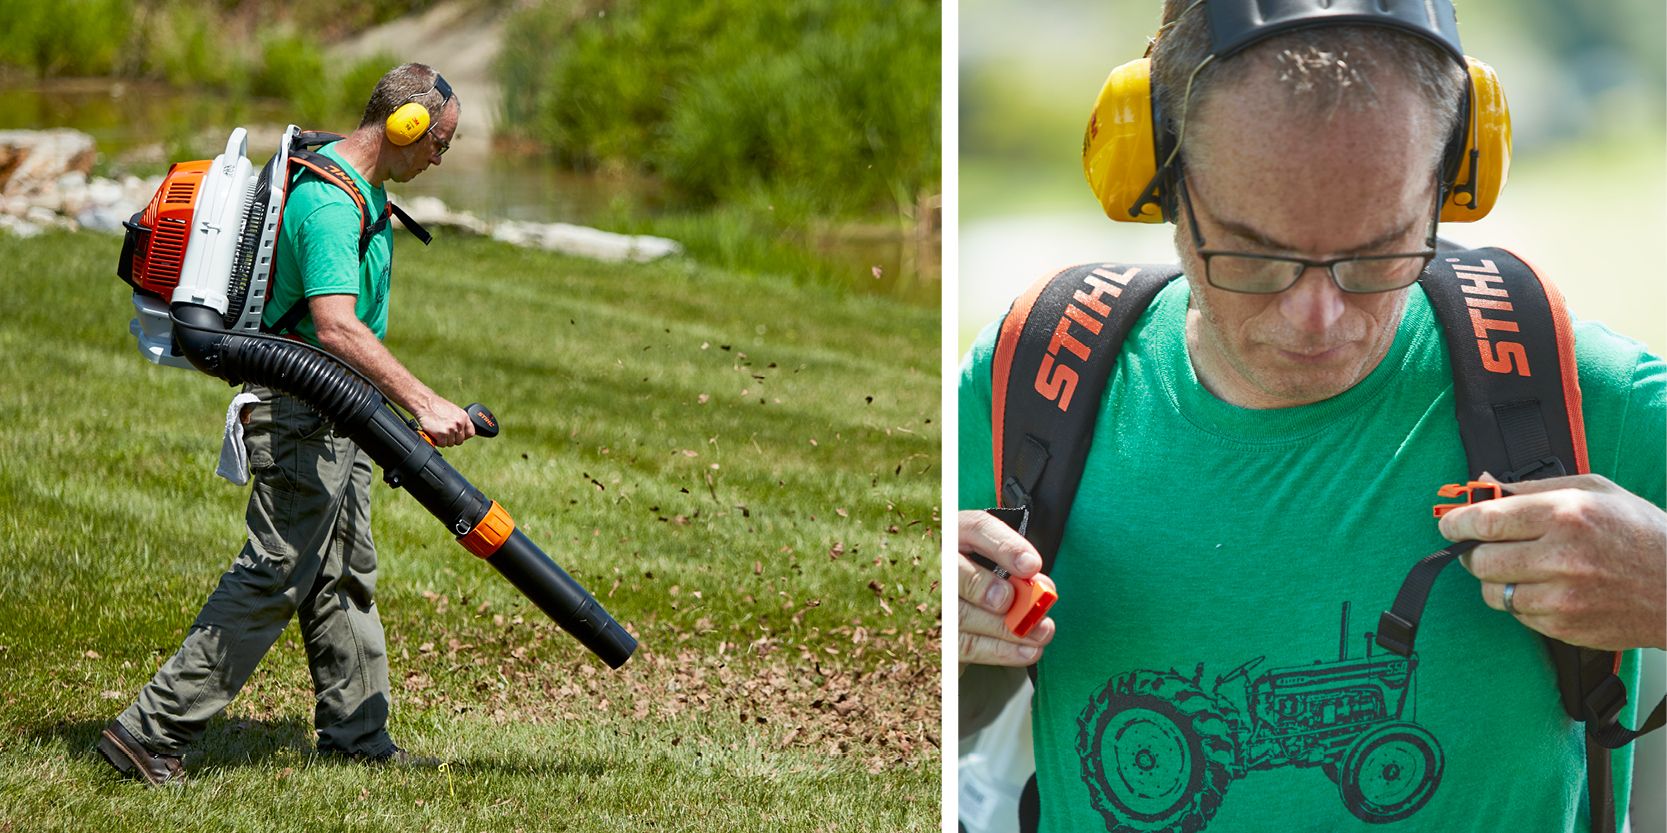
pixel 853 692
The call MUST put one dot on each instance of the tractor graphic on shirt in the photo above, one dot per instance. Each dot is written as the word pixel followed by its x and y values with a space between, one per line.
pixel 1159 750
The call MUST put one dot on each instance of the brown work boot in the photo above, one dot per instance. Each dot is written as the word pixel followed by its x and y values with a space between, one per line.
pixel 131 758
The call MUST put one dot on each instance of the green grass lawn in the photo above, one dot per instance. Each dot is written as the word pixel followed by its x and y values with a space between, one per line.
pixel 744 471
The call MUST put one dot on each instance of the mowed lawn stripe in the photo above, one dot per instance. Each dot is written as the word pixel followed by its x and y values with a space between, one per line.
pixel 745 470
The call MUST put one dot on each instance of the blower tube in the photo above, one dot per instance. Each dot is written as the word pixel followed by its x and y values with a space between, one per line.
pixel 360 412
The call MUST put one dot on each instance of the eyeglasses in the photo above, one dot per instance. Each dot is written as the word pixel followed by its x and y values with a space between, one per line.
pixel 1264 274
pixel 441 147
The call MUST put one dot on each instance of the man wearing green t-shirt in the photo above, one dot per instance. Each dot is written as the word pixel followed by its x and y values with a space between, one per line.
pixel 1266 456
pixel 309 552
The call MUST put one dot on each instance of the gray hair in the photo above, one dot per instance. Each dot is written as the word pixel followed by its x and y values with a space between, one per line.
pixel 406 82
pixel 1325 69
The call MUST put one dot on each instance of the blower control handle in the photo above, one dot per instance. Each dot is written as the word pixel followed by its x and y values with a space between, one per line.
pixel 486 425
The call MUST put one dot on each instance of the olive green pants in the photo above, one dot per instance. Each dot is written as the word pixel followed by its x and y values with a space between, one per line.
pixel 309 555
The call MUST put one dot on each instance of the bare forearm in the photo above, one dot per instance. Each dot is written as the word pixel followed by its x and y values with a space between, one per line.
pixel 342 333
pixel 359 347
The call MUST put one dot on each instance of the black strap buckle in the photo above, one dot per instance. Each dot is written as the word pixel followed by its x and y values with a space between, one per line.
pixel 1396 634
pixel 1535 470
pixel 1604 702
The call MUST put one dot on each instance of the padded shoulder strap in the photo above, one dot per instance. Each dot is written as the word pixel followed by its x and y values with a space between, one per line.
pixel 310 139
pixel 1054 356
pixel 328 170
pixel 1517 395
pixel 1511 344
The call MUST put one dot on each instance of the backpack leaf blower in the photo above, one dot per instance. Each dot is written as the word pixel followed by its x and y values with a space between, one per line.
pixel 199 258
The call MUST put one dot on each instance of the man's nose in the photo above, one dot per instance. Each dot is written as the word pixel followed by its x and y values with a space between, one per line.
pixel 1314 303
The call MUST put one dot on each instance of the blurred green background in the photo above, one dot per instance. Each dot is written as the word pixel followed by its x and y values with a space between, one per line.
pixel 1585 199
pixel 794 141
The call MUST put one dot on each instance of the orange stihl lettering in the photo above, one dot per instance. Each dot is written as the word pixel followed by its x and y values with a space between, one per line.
pixel 1484 279
pixel 1506 357
pixel 1057 386
pixel 1054 379
pixel 1092 325
pixel 1062 338
pixel 1092 299
pixel 1482 303
pixel 1485 267
pixel 1475 280
pixel 1483 324
pixel 1122 278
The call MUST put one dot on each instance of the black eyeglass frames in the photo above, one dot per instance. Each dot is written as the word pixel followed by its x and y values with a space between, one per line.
pixel 1266 274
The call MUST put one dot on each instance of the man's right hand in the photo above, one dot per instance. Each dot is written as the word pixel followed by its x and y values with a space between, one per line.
pixel 985 598
pixel 445 423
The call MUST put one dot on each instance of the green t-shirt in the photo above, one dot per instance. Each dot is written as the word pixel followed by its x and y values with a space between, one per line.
pixel 318 252
pixel 1208 539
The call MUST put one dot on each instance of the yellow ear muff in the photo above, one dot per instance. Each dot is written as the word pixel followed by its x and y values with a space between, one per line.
pixel 1490 138
pixel 408 123
pixel 1118 154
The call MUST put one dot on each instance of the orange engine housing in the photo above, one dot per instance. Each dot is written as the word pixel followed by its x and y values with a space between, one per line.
pixel 165 224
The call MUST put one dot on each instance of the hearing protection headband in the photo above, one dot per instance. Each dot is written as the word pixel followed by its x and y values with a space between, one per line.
pixel 411 120
pixel 1130 149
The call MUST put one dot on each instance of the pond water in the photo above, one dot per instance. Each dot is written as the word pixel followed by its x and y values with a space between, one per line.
pixel 141 127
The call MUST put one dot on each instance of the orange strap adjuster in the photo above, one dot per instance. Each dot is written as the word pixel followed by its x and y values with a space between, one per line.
pixel 1031 599
pixel 1472 492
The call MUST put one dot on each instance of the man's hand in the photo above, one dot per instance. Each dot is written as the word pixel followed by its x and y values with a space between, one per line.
pixel 445 423
pixel 341 332
pixel 1588 558
pixel 984 638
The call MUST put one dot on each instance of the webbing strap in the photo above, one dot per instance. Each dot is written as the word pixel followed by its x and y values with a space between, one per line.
pixel 410 224
pixel 1600 787
pixel 1615 736
pixel 373 229
pixel 1398 626
pixel 291 317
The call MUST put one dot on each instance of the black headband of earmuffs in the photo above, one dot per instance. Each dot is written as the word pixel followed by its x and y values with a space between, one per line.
pixel 1234 26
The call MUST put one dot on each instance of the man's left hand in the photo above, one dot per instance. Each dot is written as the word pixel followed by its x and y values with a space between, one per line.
pixel 1588 558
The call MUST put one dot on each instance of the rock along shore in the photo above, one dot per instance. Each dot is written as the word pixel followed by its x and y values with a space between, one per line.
pixel 46 183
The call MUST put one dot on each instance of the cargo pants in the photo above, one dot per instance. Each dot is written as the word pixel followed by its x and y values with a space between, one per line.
pixel 309 554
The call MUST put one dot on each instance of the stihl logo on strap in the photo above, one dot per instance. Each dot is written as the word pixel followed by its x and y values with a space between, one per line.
pixel 1055 380
pixel 1484 294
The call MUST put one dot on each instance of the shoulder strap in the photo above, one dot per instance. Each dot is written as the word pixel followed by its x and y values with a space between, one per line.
pixel 330 171
pixel 304 160
pixel 1516 389
pixel 310 139
pixel 410 224
pixel 1517 396
pixel 1053 358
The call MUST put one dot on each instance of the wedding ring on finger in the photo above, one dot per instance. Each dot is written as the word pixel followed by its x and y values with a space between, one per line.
pixel 1510 598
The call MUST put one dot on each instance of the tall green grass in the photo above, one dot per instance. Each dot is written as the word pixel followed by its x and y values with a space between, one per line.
pixel 71 37
pixel 807 110
pixel 197 44
pixel 744 471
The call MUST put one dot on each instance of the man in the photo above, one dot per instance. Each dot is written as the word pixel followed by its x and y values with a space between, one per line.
pixel 309 551
pixel 1264 460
